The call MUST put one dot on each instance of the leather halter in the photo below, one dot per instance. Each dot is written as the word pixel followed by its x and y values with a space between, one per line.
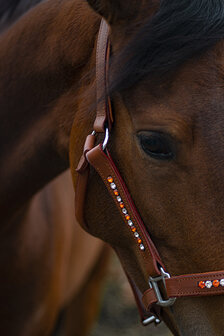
pixel 98 157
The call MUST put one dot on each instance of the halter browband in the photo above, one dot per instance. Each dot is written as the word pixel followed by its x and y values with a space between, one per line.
pixel 190 285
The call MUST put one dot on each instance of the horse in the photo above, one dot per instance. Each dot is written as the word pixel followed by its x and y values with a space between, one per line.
pixel 57 271
pixel 164 78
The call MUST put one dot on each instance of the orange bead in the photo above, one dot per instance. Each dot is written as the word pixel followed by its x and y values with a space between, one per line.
pixel 110 179
pixel 139 241
pixel 201 284
pixel 127 217
pixel 133 229
pixel 116 193
pixel 122 205
pixel 216 283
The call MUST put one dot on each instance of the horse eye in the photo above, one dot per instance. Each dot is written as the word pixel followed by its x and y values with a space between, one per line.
pixel 157 145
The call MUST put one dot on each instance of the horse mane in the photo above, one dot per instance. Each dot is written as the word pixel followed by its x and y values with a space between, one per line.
pixel 11 10
pixel 178 31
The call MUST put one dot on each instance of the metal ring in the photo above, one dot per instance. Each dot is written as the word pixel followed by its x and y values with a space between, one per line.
pixel 106 139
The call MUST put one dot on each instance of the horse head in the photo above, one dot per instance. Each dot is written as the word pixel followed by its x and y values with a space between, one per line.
pixel 166 83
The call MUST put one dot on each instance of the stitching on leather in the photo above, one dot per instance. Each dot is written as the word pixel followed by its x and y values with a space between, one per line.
pixel 201 292
pixel 104 178
pixel 145 257
pixel 199 277
pixel 130 212
pixel 195 292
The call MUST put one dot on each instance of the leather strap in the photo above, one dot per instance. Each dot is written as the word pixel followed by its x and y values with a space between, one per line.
pixel 82 182
pixel 188 286
pixel 206 284
pixel 179 286
pixel 104 116
pixel 148 259
pixel 106 168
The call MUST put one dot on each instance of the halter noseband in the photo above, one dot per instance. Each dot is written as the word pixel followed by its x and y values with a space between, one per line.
pixel 150 302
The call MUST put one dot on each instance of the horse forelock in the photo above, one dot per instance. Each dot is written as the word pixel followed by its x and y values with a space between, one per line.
pixel 177 32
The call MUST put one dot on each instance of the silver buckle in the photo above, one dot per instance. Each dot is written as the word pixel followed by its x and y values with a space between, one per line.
pixel 150 320
pixel 153 283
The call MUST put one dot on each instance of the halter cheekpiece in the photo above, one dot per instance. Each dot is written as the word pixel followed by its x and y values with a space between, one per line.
pixel 150 302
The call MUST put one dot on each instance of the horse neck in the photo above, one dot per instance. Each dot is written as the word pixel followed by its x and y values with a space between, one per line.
pixel 13 10
pixel 42 58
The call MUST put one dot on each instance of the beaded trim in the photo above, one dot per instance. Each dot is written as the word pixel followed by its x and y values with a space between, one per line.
pixel 209 284
pixel 125 213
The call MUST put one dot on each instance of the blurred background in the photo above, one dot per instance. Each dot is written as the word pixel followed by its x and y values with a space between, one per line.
pixel 119 315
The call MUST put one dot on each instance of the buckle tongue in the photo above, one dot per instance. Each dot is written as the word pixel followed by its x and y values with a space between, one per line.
pixel 153 283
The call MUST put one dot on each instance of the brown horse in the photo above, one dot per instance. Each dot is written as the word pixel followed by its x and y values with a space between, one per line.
pixel 53 271
pixel 167 87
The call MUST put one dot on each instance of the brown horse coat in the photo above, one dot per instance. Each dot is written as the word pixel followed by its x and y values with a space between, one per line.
pixel 45 107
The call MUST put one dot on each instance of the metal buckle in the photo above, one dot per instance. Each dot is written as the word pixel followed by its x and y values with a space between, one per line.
pixel 153 283
pixel 150 320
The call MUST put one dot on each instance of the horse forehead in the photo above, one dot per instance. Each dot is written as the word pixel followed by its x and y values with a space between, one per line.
pixel 193 96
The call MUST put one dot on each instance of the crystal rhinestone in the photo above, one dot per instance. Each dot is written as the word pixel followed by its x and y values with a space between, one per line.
pixel 113 186
pixel 215 283
pixel 136 235
pixel 119 199
pixel 130 223
pixel 127 217
pixel 124 211
pixel 222 282
pixel 110 179
pixel 142 247
pixel 116 193
pixel 208 284
pixel 201 284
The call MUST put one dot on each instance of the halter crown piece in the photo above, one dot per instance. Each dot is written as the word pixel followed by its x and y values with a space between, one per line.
pixel 151 302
